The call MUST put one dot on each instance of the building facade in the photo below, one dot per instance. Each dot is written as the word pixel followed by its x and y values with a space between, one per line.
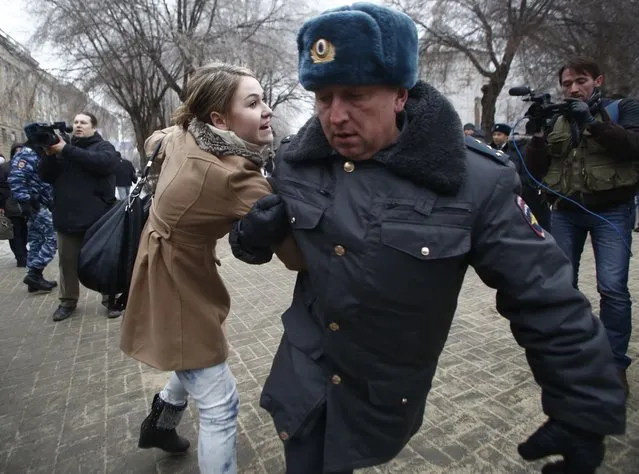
pixel 29 94
pixel 461 84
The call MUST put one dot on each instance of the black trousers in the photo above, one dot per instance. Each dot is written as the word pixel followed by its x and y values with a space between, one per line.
pixel 20 238
pixel 306 455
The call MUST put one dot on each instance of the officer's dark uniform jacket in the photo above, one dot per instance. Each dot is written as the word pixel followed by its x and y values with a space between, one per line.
pixel 387 243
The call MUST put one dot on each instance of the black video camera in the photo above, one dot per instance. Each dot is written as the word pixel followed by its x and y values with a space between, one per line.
pixel 542 108
pixel 43 135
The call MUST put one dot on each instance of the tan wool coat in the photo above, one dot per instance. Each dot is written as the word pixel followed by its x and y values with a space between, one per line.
pixel 178 302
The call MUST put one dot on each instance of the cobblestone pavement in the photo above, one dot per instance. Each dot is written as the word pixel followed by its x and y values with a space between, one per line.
pixel 73 403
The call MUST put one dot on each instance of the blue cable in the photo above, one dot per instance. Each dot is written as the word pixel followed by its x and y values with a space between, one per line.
pixel 523 162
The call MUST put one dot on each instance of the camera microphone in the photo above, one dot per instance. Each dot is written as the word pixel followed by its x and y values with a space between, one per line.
pixel 519 91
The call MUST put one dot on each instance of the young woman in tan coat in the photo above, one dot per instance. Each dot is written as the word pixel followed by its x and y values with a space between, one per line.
pixel 210 178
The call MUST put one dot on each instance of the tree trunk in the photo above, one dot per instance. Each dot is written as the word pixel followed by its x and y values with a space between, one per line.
pixel 490 92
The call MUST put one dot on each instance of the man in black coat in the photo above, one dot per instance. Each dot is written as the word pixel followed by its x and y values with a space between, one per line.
pixel 125 176
pixel 81 173
pixel 390 206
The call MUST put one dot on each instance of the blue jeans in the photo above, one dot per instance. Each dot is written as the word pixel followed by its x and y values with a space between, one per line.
pixel 214 391
pixel 612 259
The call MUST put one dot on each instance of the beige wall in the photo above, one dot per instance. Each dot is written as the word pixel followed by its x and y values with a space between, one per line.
pixel 29 94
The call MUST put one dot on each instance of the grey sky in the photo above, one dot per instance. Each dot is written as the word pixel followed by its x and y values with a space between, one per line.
pixel 15 22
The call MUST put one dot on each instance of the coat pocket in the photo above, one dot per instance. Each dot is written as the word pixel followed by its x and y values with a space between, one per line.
pixel 401 392
pixel 415 262
pixel 303 216
pixel 426 242
pixel 600 178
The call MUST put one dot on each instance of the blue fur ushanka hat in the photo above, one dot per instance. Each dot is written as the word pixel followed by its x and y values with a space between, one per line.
pixel 361 44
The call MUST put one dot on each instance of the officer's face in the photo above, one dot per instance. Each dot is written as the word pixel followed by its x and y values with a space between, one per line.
pixel 500 138
pixel 579 85
pixel 359 121
pixel 82 126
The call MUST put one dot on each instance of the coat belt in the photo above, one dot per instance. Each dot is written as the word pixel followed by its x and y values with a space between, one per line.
pixel 177 235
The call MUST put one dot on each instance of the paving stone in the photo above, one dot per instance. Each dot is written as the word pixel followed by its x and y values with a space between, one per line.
pixel 73 402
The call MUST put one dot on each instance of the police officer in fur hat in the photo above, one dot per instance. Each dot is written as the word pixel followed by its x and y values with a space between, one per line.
pixel 390 205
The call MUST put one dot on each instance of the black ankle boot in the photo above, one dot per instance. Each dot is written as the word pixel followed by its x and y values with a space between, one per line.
pixel 49 283
pixel 158 429
pixel 35 283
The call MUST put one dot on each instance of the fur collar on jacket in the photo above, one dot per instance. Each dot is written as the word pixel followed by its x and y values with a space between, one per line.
pixel 430 150
pixel 214 144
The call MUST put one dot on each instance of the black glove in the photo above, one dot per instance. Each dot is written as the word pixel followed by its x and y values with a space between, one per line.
pixel 264 225
pixel 580 112
pixel 252 256
pixel 538 123
pixel 583 451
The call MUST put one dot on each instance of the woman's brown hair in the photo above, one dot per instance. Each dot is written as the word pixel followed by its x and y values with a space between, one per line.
pixel 210 89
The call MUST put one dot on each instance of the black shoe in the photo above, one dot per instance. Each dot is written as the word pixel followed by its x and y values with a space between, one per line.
pixel 50 283
pixel 35 283
pixel 63 312
pixel 110 303
pixel 158 429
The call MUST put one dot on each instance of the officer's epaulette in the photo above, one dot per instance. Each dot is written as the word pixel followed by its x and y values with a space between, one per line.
pixel 483 149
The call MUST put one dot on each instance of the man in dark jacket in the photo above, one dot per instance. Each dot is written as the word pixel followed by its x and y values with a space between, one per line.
pixel 12 210
pixel 389 207
pixel 589 159
pixel 81 173
pixel 125 176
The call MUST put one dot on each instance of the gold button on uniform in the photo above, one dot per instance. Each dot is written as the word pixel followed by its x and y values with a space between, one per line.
pixel 349 167
pixel 333 327
pixel 292 220
pixel 336 379
pixel 425 251
pixel 284 436
pixel 339 250
pixel 404 401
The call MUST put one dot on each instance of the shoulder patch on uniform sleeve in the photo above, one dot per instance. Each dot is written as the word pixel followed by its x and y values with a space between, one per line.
pixel 483 149
pixel 529 217
pixel 21 164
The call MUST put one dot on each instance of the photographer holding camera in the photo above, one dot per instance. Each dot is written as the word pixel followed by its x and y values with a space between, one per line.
pixel 590 156
pixel 81 173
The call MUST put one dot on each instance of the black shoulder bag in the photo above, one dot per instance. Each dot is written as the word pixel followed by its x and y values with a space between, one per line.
pixel 111 244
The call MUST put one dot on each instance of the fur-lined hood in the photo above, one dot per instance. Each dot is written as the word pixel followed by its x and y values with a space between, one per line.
pixel 430 150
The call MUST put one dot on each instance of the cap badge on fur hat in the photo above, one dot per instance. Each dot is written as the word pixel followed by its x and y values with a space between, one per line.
pixel 361 44
pixel 322 51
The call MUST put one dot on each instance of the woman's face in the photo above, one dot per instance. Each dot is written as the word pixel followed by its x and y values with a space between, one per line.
pixel 249 117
